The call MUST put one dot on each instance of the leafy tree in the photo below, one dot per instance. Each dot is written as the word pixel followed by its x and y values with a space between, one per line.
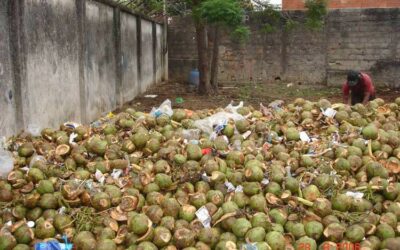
pixel 210 16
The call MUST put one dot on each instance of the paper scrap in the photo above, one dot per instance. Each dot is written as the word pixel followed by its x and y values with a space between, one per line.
pixel 205 178
pixel 72 138
pixel 265 181
pixel 246 134
pixel 355 195
pixel 329 112
pixel 150 96
pixel 239 189
pixel 304 137
pixel 204 216
pixel 116 173
pixel 230 186
pixel 99 176
pixel 30 224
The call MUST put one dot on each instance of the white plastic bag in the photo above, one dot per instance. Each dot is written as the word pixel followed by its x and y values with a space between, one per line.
pixel 207 125
pixel 6 163
pixel 34 129
pixel 233 109
pixel 191 134
pixel 165 108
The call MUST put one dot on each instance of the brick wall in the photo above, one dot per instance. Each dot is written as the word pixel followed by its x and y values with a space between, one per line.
pixel 342 4
pixel 363 39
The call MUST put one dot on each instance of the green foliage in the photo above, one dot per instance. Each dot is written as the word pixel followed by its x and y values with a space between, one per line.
pixel 268 28
pixel 226 12
pixel 316 11
pixel 241 34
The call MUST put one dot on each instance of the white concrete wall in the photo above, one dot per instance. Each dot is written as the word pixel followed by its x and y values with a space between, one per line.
pixel 71 60
pixel 147 74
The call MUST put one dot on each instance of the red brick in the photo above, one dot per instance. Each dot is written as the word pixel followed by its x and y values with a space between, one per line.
pixel 341 4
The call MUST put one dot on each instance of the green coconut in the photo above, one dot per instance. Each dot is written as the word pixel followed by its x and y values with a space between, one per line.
pixel 310 243
pixel 139 224
pixel 162 236
pixel 275 240
pixel 341 202
pixel 101 201
pixel 183 237
pixel 179 115
pixel 241 226
pixel 193 152
pixel 311 193
pixel 209 236
pixel 44 229
pixel 7 242
pixel 24 234
pixel 187 212
pixel 164 181
pixel 385 231
pixel 242 125
pixel 256 234
pixel 61 222
pixel 21 247
pixel 355 233
pixel 370 132
pixel 140 138
pixel 292 134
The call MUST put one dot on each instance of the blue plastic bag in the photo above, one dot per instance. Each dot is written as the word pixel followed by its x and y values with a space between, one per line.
pixel 54 245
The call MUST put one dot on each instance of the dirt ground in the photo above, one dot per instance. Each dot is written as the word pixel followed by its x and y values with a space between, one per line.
pixel 251 93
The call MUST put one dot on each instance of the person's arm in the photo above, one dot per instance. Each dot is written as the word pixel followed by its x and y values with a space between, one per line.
pixel 346 92
pixel 366 98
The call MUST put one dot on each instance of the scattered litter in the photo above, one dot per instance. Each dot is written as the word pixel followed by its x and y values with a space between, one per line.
pixel 239 189
pixel 164 108
pixel 116 173
pixel 6 163
pixel 233 109
pixel 99 176
pixel 304 137
pixel 289 85
pixel 265 181
pixel 329 112
pixel 34 129
pixel 205 178
pixel 204 217
pixel 191 134
pixel 72 125
pixel 355 195
pixel 251 246
pixel 72 137
pixel 179 100
pixel 207 124
pixel 30 224
pixel 230 186
pixel 150 96
pixel 246 134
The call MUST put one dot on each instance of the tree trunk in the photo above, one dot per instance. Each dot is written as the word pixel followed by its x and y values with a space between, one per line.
pixel 215 59
pixel 201 37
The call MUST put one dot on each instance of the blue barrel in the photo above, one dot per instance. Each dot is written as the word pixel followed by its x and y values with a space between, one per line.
pixel 194 77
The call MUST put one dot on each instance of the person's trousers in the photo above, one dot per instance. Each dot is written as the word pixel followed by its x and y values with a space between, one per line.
pixel 359 98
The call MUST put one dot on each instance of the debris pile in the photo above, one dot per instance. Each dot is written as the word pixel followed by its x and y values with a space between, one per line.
pixel 306 175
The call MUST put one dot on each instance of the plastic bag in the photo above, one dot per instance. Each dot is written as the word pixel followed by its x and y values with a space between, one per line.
pixel 6 163
pixel 191 134
pixel 34 129
pixel 165 108
pixel 53 245
pixel 207 125
pixel 233 109
pixel 204 217
pixel 35 159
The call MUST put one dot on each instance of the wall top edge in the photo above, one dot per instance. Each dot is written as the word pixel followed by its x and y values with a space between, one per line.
pixel 125 9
